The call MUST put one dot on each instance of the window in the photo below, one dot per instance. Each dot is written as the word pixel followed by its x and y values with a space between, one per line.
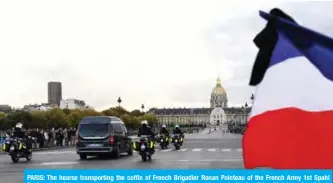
pixel 94 130
pixel 117 128
pixel 124 128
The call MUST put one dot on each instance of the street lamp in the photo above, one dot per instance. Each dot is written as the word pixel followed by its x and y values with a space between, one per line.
pixel 143 108
pixel 119 101
pixel 252 98
pixel 245 112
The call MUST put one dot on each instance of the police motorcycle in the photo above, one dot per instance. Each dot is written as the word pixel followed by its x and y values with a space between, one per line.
pixel 16 149
pixel 144 147
pixel 164 141
pixel 177 140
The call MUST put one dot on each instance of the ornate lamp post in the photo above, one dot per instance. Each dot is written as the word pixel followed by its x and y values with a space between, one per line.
pixel 142 108
pixel 119 101
pixel 245 112
pixel 252 98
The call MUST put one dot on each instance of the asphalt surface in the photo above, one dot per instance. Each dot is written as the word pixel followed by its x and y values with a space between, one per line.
pixel 214 151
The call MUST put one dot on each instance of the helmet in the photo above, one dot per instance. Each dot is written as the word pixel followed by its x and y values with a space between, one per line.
pixel 163 126
pixel 177 126
pixel 19 125
pixel 144 122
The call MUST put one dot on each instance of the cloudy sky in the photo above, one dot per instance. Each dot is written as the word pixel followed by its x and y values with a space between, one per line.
pixel 157 53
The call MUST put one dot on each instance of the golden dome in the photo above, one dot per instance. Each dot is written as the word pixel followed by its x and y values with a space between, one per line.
pixel 218 89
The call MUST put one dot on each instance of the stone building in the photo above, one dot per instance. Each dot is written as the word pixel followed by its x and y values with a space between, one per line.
pixel 218 113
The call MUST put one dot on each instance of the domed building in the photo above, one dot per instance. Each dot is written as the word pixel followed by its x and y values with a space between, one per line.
pixel 218 113
pixel 218 97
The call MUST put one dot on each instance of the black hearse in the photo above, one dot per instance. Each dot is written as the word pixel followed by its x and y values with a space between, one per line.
pixel 102 135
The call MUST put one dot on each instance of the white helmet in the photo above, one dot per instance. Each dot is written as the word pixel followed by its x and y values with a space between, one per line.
pixel 19 125
pixel 163 126
pixel 144 122
pixel 177 126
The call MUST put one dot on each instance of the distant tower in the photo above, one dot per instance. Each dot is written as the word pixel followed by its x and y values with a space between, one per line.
pixel 54 93
pixel 218 96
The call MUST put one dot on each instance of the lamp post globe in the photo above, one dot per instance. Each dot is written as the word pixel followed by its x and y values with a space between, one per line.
pixel 119 101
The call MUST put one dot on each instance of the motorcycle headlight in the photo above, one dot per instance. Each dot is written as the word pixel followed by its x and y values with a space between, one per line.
pixel 12 148
pixel 143 147
pixel 161 140
pixel 176 140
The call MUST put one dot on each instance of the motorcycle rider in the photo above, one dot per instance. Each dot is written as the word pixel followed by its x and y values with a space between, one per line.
pixel 177 130
pixel 146 130
pixel 20 134
pixel 165 132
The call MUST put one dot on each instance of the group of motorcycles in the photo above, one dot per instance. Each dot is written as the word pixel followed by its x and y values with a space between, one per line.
pixel 145 145
pixel 16 149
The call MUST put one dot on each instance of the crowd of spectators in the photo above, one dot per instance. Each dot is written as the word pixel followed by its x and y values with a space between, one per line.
pixel 47 137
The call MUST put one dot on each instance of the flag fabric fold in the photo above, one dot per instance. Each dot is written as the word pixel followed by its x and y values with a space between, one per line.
pixel 291 122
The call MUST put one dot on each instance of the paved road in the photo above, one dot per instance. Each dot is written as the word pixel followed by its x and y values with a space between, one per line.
pixel 195 153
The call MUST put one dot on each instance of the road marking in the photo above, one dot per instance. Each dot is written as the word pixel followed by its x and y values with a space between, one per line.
pixel 60 163
pixel 232 160
pixel 166 150
pixel 239 150
pixel 55 152
pixel 211 150
pixel 207 160
pixel 226 150
pixel 182 150
pixel 196 150
pixel 183 160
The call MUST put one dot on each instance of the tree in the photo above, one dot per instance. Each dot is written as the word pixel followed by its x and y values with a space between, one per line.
pixel 135 122
pixel 110 112
pixel 67 111
pixel 74 118
pixel 120 111
pixel 56 118
pixel 136 113
pixel 18 117
pixel 151 118
pixel 90 112
pixel 126 118
pixel 2 119
pixel 38 120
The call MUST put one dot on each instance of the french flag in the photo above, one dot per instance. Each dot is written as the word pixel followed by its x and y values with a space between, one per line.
pixel 291 122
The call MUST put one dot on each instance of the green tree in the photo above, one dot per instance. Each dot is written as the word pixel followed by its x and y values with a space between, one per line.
pixel 56 118
pixel 120 111
pixel 151 118
pixel 2 120
pixel 67 111
pixel 74 118
pixel 90 112
pixel 18 116
pixel 110 112
pixel 135 122
pixel 136 113
pixel 38 120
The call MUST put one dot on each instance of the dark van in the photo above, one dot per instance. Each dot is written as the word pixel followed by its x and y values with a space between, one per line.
pixel 102 135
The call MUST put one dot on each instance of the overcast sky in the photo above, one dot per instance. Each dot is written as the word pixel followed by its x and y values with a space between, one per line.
pixel 161 54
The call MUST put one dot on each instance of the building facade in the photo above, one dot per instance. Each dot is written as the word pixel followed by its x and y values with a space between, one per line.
pixel 5 108
pixel 72 104
pixel 54 93
pixel 218 114
pixel 38 107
